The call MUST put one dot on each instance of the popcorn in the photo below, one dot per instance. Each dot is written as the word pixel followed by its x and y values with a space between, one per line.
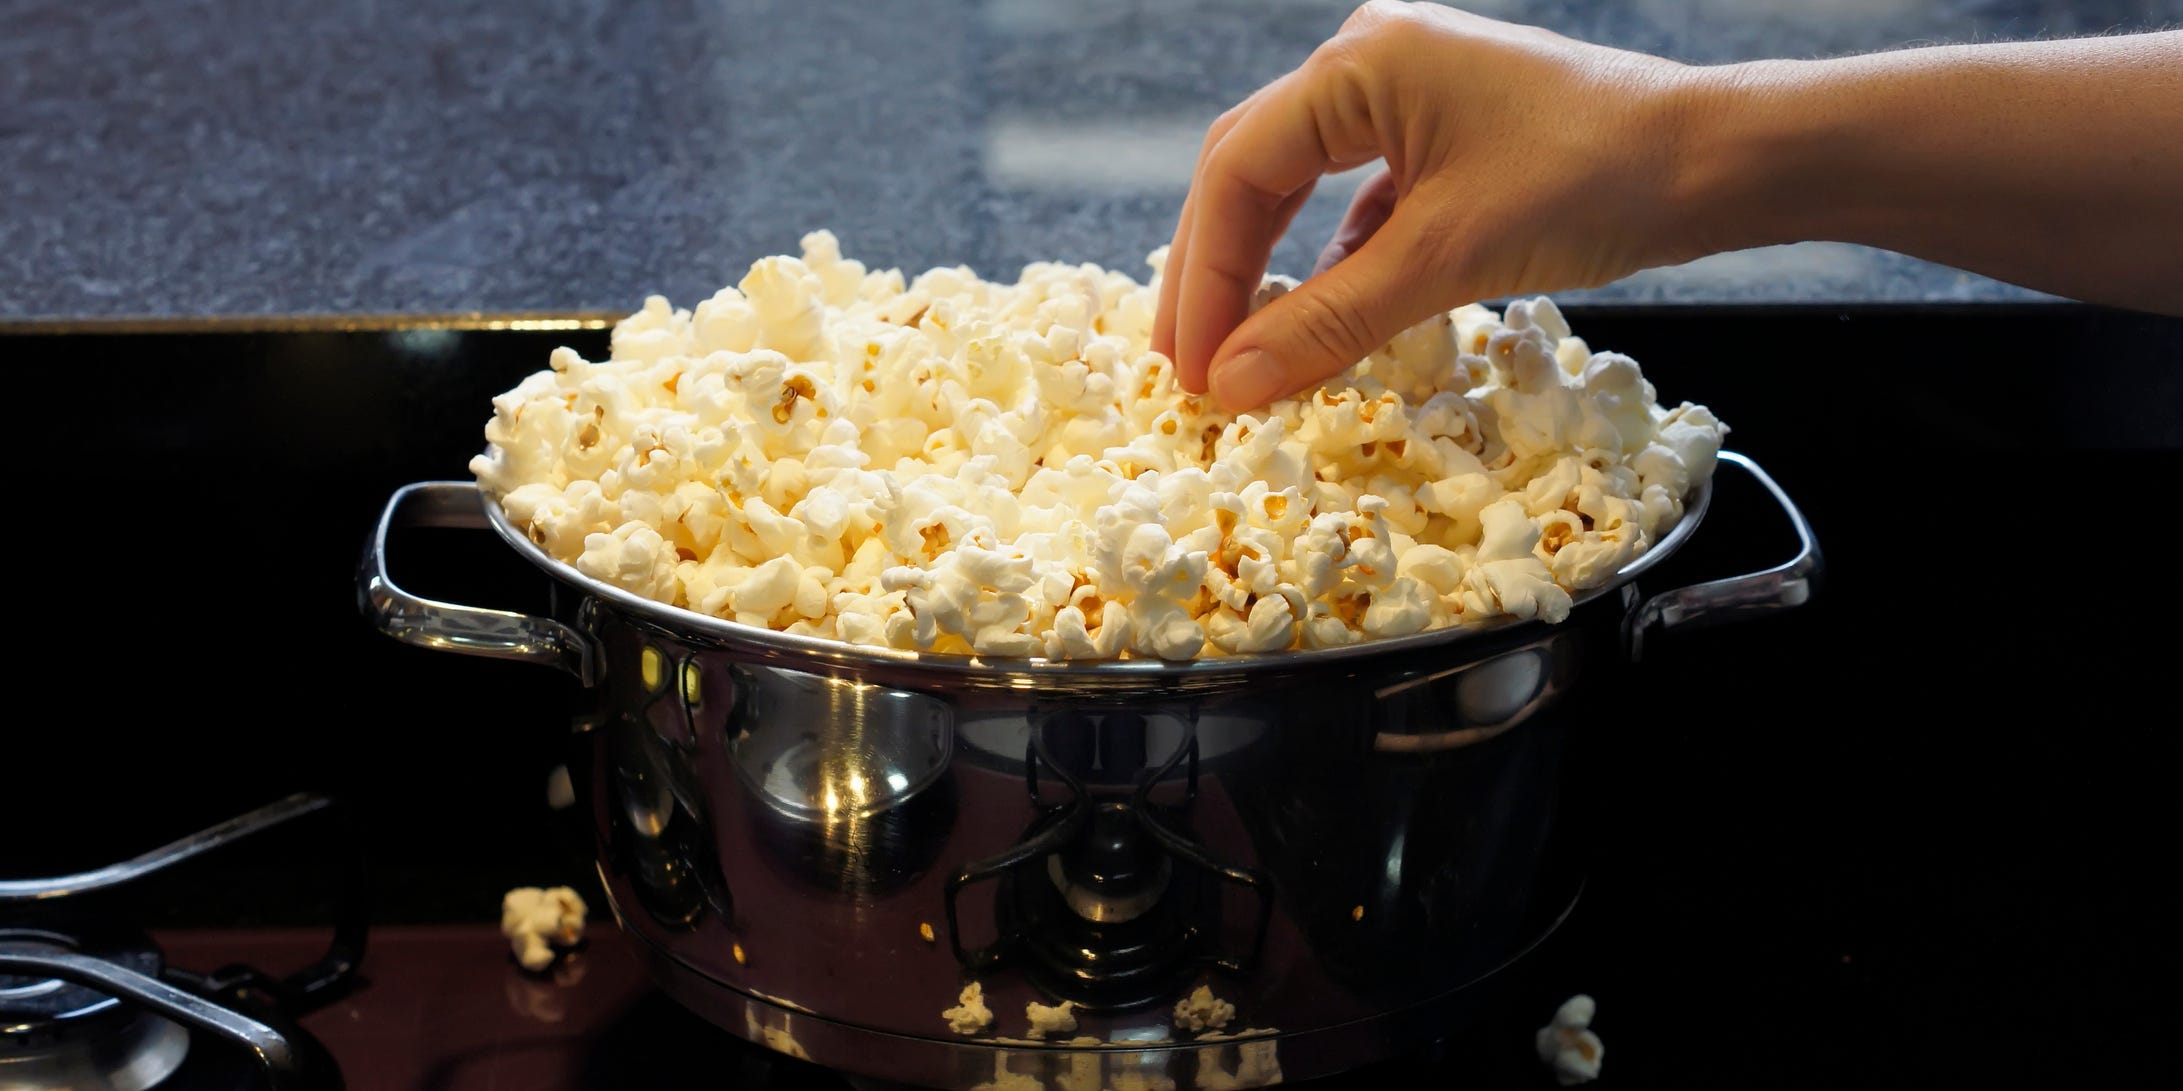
pixel 969 1015
pixel 1403 607
pixel 1201 1010
pixel 1269 626
pixel 1045 1020
pixel 536 922
pixel 1505 577
pixel 1568 1045
pixel 632 556
pixel 1164 628
pixel 949 465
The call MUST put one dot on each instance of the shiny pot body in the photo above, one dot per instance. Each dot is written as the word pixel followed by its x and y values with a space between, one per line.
pixel 820 847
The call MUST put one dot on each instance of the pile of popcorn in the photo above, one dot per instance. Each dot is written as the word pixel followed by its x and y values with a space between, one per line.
pixel 955 465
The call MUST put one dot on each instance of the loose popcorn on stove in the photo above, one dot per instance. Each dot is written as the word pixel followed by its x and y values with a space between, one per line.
pixel 1202 1010
pixel 539 922
pixel 969 1015
pixel 1568 1046
pixel 1057 1019
pixel 951 465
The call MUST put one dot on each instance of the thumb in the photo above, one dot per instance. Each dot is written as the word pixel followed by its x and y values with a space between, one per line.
pixel 1325 325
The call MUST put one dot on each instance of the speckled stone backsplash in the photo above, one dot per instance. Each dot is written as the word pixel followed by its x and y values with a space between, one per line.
pixel 251 158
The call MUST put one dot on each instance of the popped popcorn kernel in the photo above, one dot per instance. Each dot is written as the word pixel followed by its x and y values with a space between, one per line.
pixel 969 1015
pixel 1201 1010
pixel 539 923
pixel 1567 1044
pixel 1045 1020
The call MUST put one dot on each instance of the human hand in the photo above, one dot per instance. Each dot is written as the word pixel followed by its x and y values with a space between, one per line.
pixel 1517 161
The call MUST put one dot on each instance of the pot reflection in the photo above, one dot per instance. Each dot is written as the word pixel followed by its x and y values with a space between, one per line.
pixel 1109 901
pixel 849 781
pixel 658 820
pixel 1418 847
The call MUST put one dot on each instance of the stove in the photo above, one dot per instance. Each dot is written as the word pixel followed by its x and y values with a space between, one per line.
pixel 1798 886
pixel 88 999
pixel 91 999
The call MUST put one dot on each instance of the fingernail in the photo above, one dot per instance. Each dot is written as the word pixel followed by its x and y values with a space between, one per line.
pixel 1246 381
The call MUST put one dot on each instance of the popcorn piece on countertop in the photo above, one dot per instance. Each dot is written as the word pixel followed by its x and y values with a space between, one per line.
pixel 1059 1019
pixel 1568 1045
pixel 1201 1010
pixel 969 1015
pixel 538 921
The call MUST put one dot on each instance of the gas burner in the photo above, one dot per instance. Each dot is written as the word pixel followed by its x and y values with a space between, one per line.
pixel 1108 902
pixel 87 1004
pixel 55 1033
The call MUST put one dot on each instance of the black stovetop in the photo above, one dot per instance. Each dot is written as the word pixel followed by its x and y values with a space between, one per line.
pixel 1911 835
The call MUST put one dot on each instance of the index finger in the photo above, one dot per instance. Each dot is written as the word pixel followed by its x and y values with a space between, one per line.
pixel 1163 323
pixel 1304 125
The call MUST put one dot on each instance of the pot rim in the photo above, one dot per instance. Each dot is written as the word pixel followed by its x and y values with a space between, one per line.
pixel 1039 672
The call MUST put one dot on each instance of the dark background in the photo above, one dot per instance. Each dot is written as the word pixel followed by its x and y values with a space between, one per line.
pixel 1915 833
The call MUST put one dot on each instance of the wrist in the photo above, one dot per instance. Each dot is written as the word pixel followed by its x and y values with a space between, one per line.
pixel 1747 162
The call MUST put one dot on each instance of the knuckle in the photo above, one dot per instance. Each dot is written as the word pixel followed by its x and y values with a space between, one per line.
pixel 1228 182
pixel 1339 58
pixel 1220 126
pixel 1365 41
pixel 1375 14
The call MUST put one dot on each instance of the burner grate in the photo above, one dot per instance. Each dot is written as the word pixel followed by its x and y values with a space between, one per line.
pixel 84 1002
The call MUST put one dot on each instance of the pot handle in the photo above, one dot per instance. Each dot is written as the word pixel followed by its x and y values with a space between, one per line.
pixel 1783 586
pixel 451 627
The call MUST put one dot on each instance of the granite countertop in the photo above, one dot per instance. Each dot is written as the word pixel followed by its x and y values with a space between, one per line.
pixel 181 159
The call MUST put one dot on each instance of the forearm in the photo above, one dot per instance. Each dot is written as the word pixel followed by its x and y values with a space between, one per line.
pixel 2054 165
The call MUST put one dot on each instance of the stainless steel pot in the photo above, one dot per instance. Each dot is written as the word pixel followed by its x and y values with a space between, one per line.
pixel 819 845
